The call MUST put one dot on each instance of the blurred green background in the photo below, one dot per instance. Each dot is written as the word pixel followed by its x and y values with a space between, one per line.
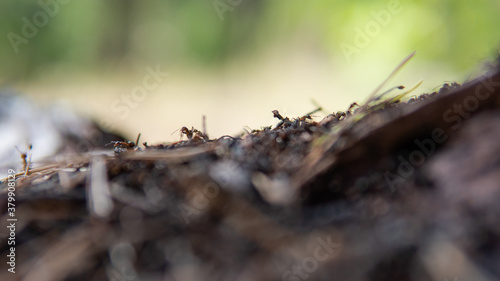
pixel 234 60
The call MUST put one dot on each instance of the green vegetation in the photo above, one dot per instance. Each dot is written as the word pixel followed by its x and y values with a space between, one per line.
pixel 110 36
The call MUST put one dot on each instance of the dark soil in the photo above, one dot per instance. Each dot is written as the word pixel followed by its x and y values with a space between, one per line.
pixel 389 190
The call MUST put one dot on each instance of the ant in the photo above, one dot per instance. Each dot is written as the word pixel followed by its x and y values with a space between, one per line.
pixel 26 159
pixel 307 116
pixel 340 115
pixel 354 104
pixel 286 122
pixel 251 131
pixel 304 118
pixel 193 134
pixel 121 146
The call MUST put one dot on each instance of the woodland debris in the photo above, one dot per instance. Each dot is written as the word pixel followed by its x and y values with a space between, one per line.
pixel 355 196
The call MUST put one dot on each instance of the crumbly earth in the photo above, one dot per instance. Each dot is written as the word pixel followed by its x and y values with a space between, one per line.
pixel 388 190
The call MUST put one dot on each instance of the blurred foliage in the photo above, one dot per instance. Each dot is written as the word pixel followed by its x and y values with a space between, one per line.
pixel 115 35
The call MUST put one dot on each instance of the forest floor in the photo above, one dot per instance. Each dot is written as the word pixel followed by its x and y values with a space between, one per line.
pixel 386 190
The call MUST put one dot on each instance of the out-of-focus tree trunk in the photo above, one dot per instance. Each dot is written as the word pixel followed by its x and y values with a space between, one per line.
pixel 116 42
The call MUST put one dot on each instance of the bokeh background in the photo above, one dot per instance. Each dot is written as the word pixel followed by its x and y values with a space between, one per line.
pixel 233 61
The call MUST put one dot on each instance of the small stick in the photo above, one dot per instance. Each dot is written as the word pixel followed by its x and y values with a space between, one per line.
pixel 400 87
pixel 204 125
pixel 29 160
pixel 137 140
pixel 315 103
pixel 278 115
pixel 314 111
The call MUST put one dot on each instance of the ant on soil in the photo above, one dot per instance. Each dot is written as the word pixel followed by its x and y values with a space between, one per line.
pixel 193 134
pixel 339 116
pixel 26 159
pixel 251 131
pixel 445 88
pixel 121 146
pixel 343 114
pixel 286 122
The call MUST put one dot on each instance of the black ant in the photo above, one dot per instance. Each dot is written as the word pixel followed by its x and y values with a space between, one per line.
pixel 26 159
